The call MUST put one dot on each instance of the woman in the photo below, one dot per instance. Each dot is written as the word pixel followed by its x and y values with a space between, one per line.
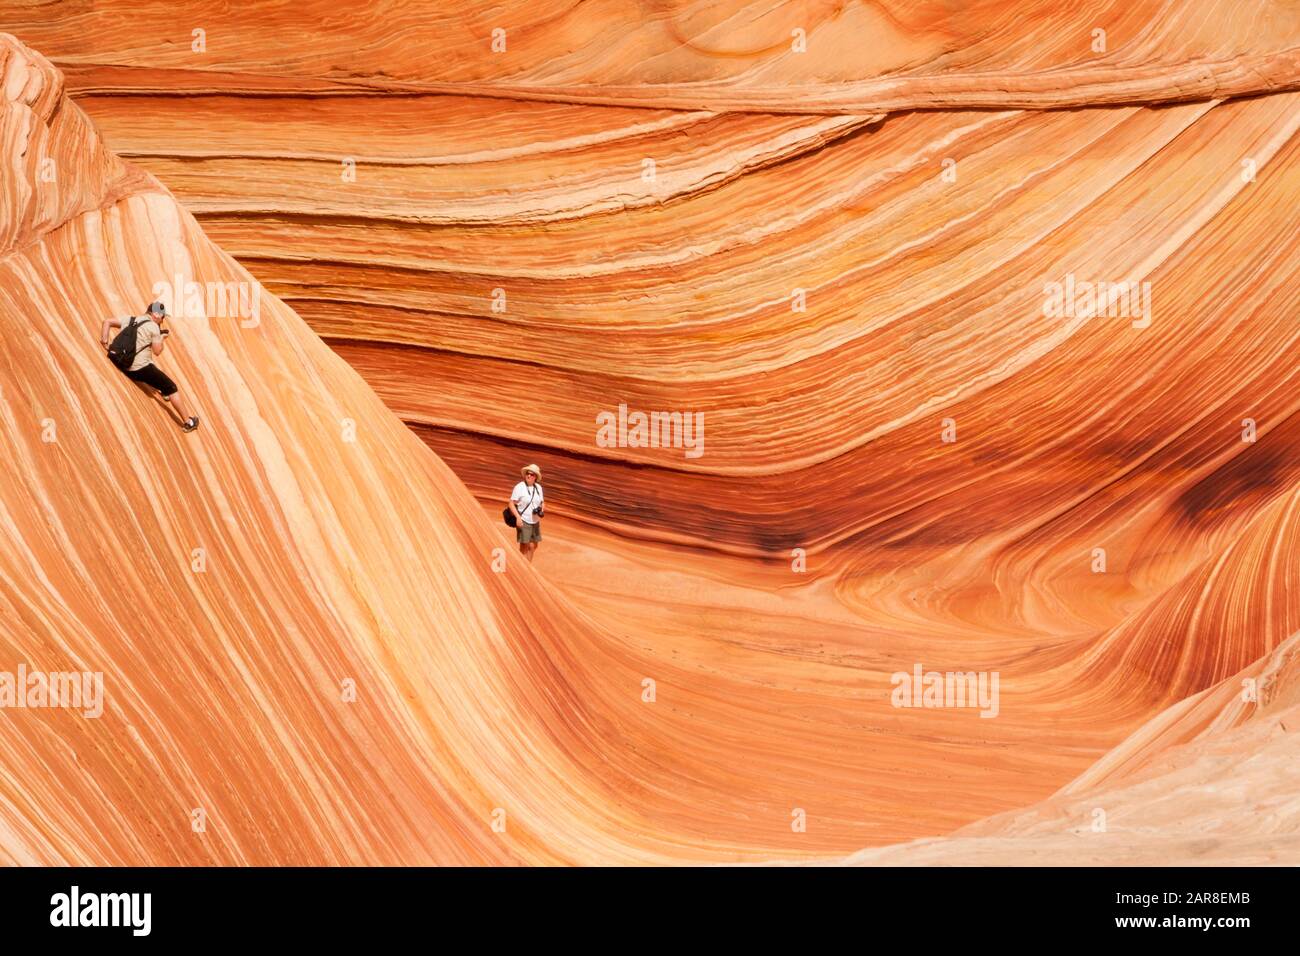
pixel 526 505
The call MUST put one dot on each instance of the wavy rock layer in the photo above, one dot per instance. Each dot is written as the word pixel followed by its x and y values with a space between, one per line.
pixel 783 179
pixel 1214 780
pixel 728 55
pixel 233 585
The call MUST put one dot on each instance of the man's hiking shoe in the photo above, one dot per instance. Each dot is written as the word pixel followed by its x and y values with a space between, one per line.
pixel 191 423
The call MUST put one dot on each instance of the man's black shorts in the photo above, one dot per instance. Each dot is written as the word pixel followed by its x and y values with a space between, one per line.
pixel 154 377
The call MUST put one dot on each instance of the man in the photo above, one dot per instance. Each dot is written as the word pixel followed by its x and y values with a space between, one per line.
pixel 150 339
pixel 526 505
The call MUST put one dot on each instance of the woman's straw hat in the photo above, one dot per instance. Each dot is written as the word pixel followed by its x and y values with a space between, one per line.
pixel 533 468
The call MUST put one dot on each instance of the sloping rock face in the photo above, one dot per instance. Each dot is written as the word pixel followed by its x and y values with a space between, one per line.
pixel 509 234
pixel 868 264
pixel 1214 780
pixel 310 645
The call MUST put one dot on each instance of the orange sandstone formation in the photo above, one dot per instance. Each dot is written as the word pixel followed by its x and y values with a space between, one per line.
pixel 839 257
pixel 1213 780
pixel 507 240
pixel 309 655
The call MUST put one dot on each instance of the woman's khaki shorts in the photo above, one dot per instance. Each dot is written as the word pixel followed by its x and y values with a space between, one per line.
pixel 525 532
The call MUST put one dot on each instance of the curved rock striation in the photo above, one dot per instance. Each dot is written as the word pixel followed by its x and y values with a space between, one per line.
pixel 1214 780
pixel 866 267
pixel 726 56
pixel 314 648
pixel 462 219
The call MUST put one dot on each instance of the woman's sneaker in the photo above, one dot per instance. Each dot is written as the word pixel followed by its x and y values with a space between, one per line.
pixel 191 423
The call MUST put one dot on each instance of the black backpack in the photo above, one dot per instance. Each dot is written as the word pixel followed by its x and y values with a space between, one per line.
pixel 509 515
pixel 123 350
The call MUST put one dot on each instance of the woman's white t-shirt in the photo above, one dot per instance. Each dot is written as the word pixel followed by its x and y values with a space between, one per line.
pixel 522 495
